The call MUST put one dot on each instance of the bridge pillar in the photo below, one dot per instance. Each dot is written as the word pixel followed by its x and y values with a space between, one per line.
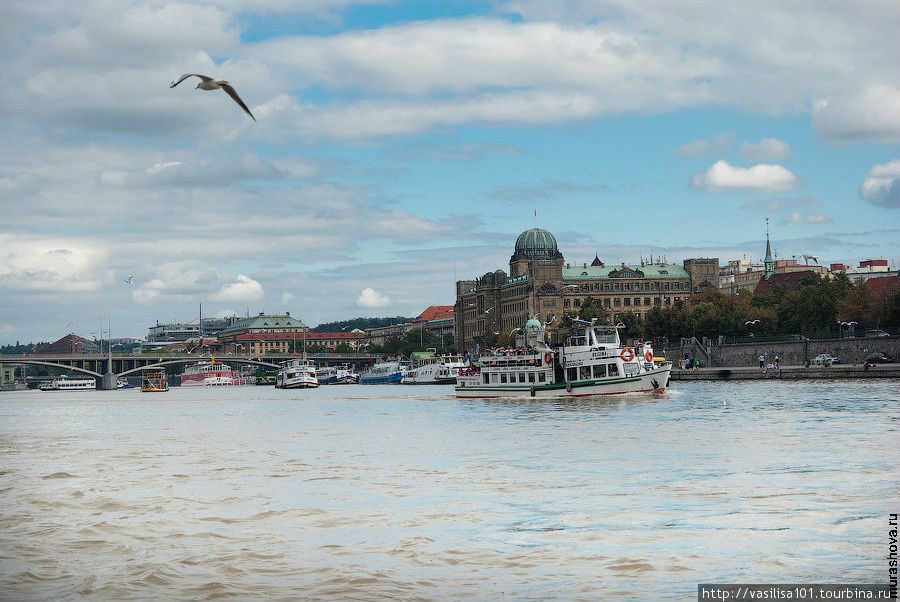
pixel 109 382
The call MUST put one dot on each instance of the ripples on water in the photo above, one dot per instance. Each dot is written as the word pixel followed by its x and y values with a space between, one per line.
pixel 391 491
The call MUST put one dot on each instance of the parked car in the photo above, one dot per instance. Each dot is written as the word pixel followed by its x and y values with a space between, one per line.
pixel 879 358
pixel 826 358
pixel 877 332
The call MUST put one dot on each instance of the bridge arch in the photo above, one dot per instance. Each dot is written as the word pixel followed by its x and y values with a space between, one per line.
pixel 194 360
pixel 51 364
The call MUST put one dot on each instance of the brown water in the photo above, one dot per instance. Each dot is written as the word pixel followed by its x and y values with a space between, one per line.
pixel 392 491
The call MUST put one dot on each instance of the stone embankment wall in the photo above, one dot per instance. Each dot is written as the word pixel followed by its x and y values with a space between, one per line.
pixel 791 353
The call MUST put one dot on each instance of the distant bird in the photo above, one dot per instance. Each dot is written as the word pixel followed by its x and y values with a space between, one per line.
pixel 208 83
pixel 487 311
pixel 748 322
pixel 129 280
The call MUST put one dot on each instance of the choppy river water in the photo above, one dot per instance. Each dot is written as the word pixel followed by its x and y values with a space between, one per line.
pixel 392 491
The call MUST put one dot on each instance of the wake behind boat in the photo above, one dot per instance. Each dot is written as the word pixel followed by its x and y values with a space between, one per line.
pixel 592 362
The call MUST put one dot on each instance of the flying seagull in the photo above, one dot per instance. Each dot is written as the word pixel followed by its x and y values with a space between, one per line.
pixel 208 83
pixel 129 280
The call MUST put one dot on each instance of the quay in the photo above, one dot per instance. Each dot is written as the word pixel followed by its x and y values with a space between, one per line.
pixel 839 371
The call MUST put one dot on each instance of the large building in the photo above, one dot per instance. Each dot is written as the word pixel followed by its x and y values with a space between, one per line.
pixel 542 284
pixel 275 333
pixel 71 344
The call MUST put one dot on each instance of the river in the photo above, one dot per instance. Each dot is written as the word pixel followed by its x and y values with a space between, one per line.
pixel 367 492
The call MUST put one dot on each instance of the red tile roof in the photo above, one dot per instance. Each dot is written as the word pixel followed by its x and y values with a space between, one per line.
pixel 435 312
pixel 790 279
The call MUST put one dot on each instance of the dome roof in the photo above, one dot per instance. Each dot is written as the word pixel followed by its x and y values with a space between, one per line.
pixel 536 244
pixel 533 324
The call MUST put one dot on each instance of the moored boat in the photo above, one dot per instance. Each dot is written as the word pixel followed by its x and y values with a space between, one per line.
pixel 384 373
pixel 592 362
pixel 428 368
pixel 336 375
pixel 212 374
pixel 67 383
pixel 297 374
pixel 153 380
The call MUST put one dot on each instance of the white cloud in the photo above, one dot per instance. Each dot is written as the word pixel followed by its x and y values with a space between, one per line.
pixel 58 265
pixel 706 146
pixel 767 149
pixel 369 297
pixel 244 289
pixel 226 313
pixel 882 185
pixel 871 114
pixel 287 297
pixel 763 176
pixel 807 218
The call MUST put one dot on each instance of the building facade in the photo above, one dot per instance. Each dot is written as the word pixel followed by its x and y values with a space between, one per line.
pixel 273 333
pixel 542 284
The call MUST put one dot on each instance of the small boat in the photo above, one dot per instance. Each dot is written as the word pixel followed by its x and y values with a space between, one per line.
pixel 592 362
pixel 297 374
pixel 430 369
pixel 67 383
pixel 337 375
pixel 123 383
pixel 384 373
pixel 153 380
pixel 212 374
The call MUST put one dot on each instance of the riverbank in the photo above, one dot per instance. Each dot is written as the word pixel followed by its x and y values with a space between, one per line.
pixel 789 372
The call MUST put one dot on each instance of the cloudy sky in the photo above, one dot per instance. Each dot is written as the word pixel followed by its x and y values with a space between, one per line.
pixel 400 144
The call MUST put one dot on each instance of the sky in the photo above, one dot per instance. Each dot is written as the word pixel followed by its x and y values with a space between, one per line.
pixel 400 146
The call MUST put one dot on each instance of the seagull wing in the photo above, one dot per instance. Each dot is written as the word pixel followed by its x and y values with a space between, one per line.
pixel 237 99
pixel 187 75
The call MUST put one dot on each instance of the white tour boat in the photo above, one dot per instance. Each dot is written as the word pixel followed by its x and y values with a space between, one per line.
pixel 592 362
pixel 212 374
pixel 66 383
pixel 297 374
pixel 429 368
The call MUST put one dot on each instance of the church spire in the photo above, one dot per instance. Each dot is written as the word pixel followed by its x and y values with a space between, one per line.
pixel 768 263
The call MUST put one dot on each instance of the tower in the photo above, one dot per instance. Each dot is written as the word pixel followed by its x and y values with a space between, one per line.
pixel 768 263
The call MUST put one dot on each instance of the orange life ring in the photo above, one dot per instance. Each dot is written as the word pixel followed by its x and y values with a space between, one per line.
pixel 548 358
pixel 648 356
pixel 627 352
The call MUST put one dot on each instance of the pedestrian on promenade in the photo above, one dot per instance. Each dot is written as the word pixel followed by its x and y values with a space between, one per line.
pixel 762 361
pixel 777 367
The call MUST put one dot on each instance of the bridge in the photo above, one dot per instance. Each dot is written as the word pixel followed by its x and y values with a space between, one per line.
pixel 109 368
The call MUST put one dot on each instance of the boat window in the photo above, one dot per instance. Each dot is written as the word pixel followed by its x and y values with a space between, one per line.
pixel 521 377
pixel 494 378
pixel 531 377
pixel 503 377
pixel 599 370
pixel 585 373
pixel 613 369
pixel 485 378
pixel 571 374
pixel 542 377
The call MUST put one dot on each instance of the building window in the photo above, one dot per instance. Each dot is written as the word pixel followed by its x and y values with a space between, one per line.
pixel 606 302
pixel 668 301
pixel 666 286
pixel 626 287
pixel 577 302
pixel 606 286
pixel 616 286
pixel 627 302
pixel 617 302
pixel 655 300
pixel 565 303
pixel 646 300
pixel 637 301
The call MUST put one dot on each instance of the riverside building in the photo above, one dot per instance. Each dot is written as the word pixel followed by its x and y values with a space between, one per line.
pixel 541 283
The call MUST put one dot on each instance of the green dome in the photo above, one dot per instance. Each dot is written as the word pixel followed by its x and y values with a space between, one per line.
pixel 533 324
pixel 536 244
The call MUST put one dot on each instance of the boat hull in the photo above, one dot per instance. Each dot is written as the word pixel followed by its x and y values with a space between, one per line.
pixel 654 381
pixel 298 384
pixel 387 379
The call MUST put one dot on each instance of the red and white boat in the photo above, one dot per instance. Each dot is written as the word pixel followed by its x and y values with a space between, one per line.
pixel 212 374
